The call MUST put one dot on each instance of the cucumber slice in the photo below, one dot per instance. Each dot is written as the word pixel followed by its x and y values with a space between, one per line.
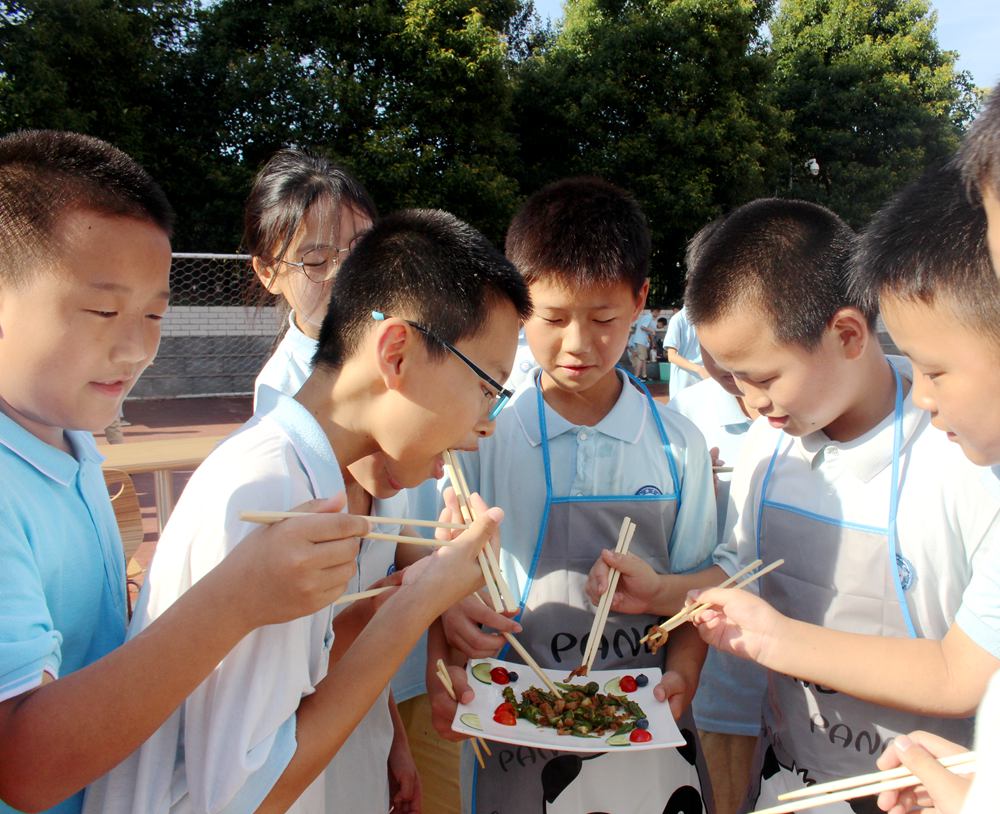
pixel 620 739
pixel 612 687
pixel 481 672
pixel 470 719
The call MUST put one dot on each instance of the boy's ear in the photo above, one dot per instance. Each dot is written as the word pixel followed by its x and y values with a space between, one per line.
pixel 394 344
pixel 640 300
pixel 851 331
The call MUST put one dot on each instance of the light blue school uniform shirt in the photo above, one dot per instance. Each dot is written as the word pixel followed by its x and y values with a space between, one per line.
pixel 622 454
pixel 730 692
pixel 681 337
pixel 63 577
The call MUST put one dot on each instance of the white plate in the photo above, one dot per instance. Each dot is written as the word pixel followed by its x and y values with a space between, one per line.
pixel 662 726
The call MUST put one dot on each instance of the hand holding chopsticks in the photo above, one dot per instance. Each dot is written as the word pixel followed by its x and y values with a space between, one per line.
pixel 863 786
pixel 658 636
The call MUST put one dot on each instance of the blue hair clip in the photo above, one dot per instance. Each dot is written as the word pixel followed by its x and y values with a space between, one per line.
pixel 378 316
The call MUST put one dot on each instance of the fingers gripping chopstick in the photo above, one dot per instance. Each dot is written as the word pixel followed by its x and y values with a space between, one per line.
pixel 658 636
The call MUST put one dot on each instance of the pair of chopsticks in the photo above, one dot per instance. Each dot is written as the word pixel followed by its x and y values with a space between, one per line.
pixel 500 593
pixel 479 745
pixel 268 518
pixel 604 605
pixel 657 637
pixel 862 786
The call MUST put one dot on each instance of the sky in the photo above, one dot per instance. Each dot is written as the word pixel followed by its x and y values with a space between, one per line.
pixel 971 27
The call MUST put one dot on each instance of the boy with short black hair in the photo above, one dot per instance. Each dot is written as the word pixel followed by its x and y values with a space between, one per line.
pixel 84 267
pixel 883 526
pixel 979 159
pixel 422 323
pixel 581 447
pixel 924 259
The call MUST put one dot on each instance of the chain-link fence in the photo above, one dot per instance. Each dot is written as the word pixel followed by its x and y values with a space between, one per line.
pixel 215 339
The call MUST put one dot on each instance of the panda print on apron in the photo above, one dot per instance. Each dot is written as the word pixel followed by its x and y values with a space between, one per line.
pixel 556 616
pixel 853 582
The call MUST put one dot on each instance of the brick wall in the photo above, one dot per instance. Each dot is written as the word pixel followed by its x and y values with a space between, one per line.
pixel 220 320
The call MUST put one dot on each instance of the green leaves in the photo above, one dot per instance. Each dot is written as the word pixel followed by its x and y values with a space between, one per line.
pixel 694 105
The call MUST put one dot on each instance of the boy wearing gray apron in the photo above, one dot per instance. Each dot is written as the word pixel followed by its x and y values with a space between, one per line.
pixel 867 598
pixel 555 610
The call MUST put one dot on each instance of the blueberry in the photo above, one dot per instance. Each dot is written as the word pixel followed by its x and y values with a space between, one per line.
pixel 642 723
pixel 641 680
pixel 512 676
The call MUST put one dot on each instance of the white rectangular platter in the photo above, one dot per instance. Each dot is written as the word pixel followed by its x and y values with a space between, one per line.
pixel 662 726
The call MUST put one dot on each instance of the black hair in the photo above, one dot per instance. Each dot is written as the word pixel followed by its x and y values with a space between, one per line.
pixel 46 173
pixel 424 265
pixel 693 249
pixel 581 232
pixel 284 189
pixel 927 243
pixel 787 258
pixel 979 155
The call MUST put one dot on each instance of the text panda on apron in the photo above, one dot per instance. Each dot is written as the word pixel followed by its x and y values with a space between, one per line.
pixel 556 616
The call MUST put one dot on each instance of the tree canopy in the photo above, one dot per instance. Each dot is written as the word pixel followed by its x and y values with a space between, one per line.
pixel 470 105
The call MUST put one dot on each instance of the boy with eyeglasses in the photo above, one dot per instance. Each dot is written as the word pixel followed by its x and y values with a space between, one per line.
pixel 258 733
pixel 581 446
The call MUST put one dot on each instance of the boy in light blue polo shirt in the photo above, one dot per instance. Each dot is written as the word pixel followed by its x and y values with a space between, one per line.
pixel 582 446
pixel 84 267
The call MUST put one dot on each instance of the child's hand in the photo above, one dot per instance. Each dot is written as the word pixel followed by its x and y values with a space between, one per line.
pixel 295 567
pixel 442 706
pixel 404 779
pixel 462 622
pixel 941 792
pixel 452 572
pixel 675 691
pixel 739 622
pixel 637 585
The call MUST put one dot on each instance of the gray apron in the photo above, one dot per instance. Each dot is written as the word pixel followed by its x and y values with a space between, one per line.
pixel 843 576
pixel 557 616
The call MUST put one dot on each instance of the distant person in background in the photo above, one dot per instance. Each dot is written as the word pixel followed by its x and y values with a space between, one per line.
pixel 640 342
pixel 683 352
pixel 302 217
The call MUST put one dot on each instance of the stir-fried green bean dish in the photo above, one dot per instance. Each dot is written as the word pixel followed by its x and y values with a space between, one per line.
pixel 582 710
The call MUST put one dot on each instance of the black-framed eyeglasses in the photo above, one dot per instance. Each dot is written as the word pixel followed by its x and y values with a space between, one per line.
pixel 320 265
pixel 503 394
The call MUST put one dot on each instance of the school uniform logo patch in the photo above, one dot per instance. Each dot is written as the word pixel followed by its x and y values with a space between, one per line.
pixel 649 490
pixel 907 574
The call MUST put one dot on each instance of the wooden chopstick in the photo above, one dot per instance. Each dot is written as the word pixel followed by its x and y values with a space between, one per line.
pixel 508 601
pixel 445 679
pixel 267 518
pixel 899 782
pixel 682 614
pixel 721 469
pixel 683 611
pixel 872 777
pixel 699 607
pixel 601 615
pixel 622 532
pixel 345 598
pixel 452 471
pixel 449 469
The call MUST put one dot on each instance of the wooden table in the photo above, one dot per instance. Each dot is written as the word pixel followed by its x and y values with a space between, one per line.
pixel 161 457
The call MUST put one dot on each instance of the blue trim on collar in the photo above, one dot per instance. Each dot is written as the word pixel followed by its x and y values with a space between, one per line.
pixel 52 462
